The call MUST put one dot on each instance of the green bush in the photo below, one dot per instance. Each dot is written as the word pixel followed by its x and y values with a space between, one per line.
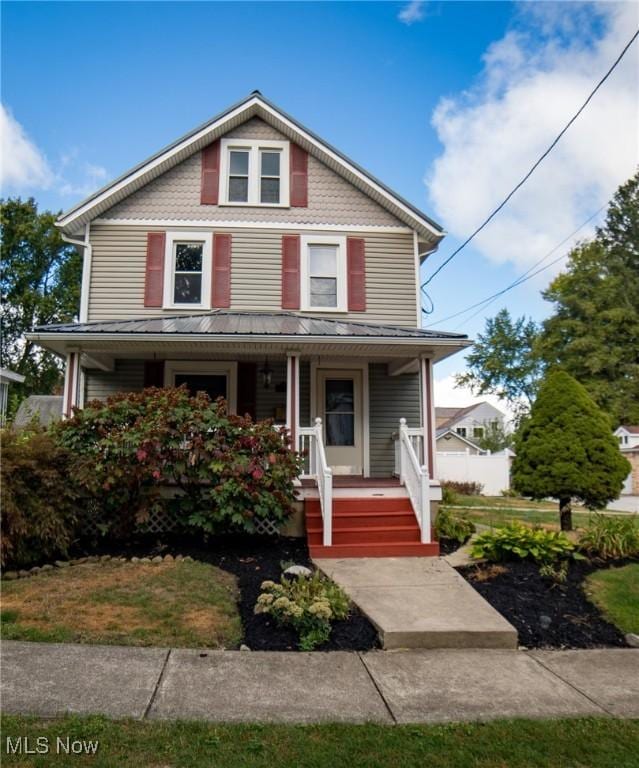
pixel 228 471
pixel 448 495
pixel 451 526
pixel 307 603
pixel 39 499
pixel 610 537
pixel 464 489
pixel 519 542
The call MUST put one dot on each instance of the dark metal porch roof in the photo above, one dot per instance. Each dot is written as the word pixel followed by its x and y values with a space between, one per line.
pixel 226 323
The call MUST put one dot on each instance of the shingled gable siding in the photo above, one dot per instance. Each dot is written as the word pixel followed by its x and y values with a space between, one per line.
pixel 390 399
pixel 117 274
pixel 176 195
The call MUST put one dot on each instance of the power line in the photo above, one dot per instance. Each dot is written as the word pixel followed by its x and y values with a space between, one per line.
pixel 524 277
pixel 539 161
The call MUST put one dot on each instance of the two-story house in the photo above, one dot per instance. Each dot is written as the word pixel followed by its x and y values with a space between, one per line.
pixel 460 429
pixel 253 260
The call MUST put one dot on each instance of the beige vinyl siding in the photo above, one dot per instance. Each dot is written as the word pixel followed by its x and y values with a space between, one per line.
pixel 176 195
pixel 390 399
pixel 118 269
pixel 268 400
pixel 128 376
pixel 453 443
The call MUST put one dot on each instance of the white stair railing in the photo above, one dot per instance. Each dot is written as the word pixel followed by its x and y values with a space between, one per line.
pixel 311 440
pixel 414 476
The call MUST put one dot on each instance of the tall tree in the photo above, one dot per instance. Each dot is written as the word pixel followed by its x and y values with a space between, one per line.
pixel 566 449
pixel 40 283
pixel 593 333
pixel 504 362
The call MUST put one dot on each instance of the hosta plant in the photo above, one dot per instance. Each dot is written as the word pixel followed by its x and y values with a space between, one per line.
pixel 520 542
pixel 307 603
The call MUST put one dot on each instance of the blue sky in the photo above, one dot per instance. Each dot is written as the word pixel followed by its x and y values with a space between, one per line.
pixel 449 106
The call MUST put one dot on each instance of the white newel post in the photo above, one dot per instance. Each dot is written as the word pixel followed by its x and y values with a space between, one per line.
pixel 293 397
pixel 71 384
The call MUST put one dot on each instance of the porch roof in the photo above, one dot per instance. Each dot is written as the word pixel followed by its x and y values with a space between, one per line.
pixel 228 329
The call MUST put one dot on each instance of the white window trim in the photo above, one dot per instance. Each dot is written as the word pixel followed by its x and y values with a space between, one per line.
pixel 342 277
pixel 169 271
pixel 197 367
pixel 253 147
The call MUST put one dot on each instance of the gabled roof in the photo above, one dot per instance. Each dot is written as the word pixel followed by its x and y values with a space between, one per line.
pixel 229 323
pixel 73 220
pixel 447 431
pixel 630 429
pixel 446 418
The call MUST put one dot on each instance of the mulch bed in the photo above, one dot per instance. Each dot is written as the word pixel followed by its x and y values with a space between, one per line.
pixel 547 615
pixel 253 559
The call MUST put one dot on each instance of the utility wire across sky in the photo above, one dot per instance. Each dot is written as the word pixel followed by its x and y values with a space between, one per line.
pixel 533 168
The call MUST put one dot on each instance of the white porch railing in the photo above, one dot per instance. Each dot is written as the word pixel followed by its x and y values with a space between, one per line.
pixel 414 476
pixel 311 441
pixel 416 437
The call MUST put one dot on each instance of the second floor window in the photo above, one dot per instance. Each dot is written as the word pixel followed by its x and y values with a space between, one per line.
pixel 187 283
pixel 187 270
pixel 323 273
pixel 254 172
pixel 461 431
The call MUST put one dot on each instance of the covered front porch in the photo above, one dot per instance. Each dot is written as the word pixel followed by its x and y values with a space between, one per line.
pixel 356 398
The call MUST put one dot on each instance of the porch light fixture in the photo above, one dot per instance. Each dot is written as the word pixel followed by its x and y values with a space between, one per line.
pixel 267 375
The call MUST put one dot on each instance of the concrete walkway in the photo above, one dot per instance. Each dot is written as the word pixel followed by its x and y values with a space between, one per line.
pixel 420 602
pixel 379 686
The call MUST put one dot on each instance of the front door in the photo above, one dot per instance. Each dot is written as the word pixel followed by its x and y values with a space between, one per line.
pixel 214 384
pixel 340 408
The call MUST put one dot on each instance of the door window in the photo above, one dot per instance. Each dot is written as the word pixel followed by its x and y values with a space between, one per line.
pixel 213 384
pixel 339 412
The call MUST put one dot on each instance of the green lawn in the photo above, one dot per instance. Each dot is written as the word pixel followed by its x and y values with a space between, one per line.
pixel 497 510
pixel 586 743
pixel 616 592
pixel 174 604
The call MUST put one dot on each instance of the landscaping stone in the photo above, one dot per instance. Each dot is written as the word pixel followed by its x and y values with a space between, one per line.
pixel 188 559
pixel 244 647
pixel 157 559
pixel 145 559
pixel 62 563
pixel 47 567
pixel 298 570
pixel 135 559
pixel 34 570
pixel 10 575
pixel 179 557
pixel 168 558
pixel 632 640
pixel 23 574
pixel 105 558
pixel 79 560
pixel 93 558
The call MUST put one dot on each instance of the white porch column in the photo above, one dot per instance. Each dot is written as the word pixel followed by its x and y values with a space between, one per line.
pixel 71 384
pixel 428 414
pixel 293 396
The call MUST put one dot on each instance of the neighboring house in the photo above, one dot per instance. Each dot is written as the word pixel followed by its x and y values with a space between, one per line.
pixel 628 437
pixel 7 377
pixel 467 423
pixel 251 259
pixel 44 408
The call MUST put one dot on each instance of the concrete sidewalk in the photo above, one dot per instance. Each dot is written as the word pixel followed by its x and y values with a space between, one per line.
pixel 378 686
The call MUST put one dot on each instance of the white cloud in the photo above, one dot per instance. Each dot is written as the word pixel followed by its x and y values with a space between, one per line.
pixel 533 81
pixel 24 168
pixel 448 395
pixel 412 12
pixel 22 165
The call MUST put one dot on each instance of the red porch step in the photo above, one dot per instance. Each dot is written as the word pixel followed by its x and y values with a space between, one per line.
pixel 367 527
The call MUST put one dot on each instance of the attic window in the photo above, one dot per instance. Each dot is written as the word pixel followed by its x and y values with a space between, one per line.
pixel 254 173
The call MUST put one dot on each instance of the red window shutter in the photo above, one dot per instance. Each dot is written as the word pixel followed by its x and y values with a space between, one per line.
pixel 153 373
pixel 210 185
pixel 221 290
pixel 356 262
pixel 154 278
pixel 290 271
pixel 298 177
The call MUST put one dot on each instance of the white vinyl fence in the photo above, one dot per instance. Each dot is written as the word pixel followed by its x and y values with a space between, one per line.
pixel 491 470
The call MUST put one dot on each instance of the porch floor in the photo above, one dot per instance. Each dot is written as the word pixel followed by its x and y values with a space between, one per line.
pixel 420 602
pixel 357 481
